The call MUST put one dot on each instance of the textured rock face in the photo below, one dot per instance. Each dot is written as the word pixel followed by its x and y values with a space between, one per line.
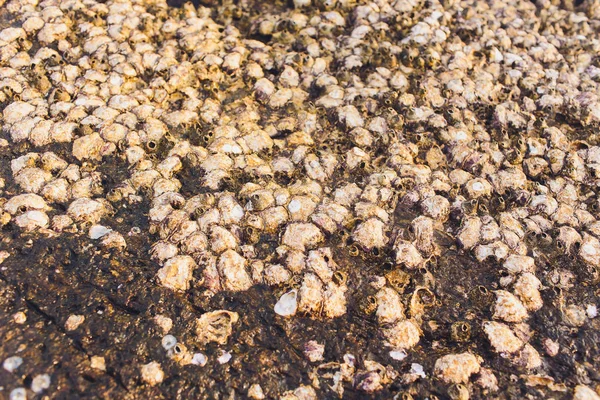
pixel 295 199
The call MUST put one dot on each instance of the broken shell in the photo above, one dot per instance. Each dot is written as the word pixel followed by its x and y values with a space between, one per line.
pixel 215 326
pixel 287 304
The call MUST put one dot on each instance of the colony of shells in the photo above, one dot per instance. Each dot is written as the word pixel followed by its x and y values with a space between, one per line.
pixel 333 151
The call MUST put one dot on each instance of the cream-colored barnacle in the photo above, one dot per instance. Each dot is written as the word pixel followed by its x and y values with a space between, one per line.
pixel 163 250
pixel 144 178
pixel 407 254
pixel 113 240
pixel 258 140
pixel 368 209
pixel 389 306
pixel 16 111
pixel 301 207
pixel 134 154
pixel 276 274
pixel 210 111
pixel 436 207
pixel 169 166
pixel 215 326
pixel 501 337
pixel 527 289
pixel 543 204
pixel 21 130
pixel 171 224
pixel 347 195
pixel 52 163
pixel 32 179
pixel 88 146
pixel 356 157
pixel 362 137
pixel 40 133
pixel 478 187
pixel 254 70
pixel 179 118
pixel 350 116
pixel 283 165
pixel 423 231
pixel 163 185
pixel 457 369
pixel 72 173
pixel 56 191
pixel 280 97
pixel 490 231
pixel 231 210
pixel 176 274
pixel 311 294
pixel 207 218
pixel 232 268
pixel 338 213
pixel 334 300
pixel 300 235
pixel 274 217
pixel 264 89
pixel 10 35
pixel 321 263
pixel 31 220
pixel 568 238
pixel 420 173
pixel 225 145
pixel 62 132
pixel 28 160
pixel 261 200
pixel 509 308
pixel 87 210
pixel 314 168
pixel 589 250
pixel 497 250
pixel 289 77
pixel 217 162
pixel 402 335
pixel 114 132
pixel 221 239
pixel 25 202
pixel 370 234
pixel 509 179
pixel 183 230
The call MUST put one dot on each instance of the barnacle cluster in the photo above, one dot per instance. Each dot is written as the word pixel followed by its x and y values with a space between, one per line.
pixel 336 151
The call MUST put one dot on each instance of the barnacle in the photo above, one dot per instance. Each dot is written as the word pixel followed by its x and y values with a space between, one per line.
pixel 461 331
